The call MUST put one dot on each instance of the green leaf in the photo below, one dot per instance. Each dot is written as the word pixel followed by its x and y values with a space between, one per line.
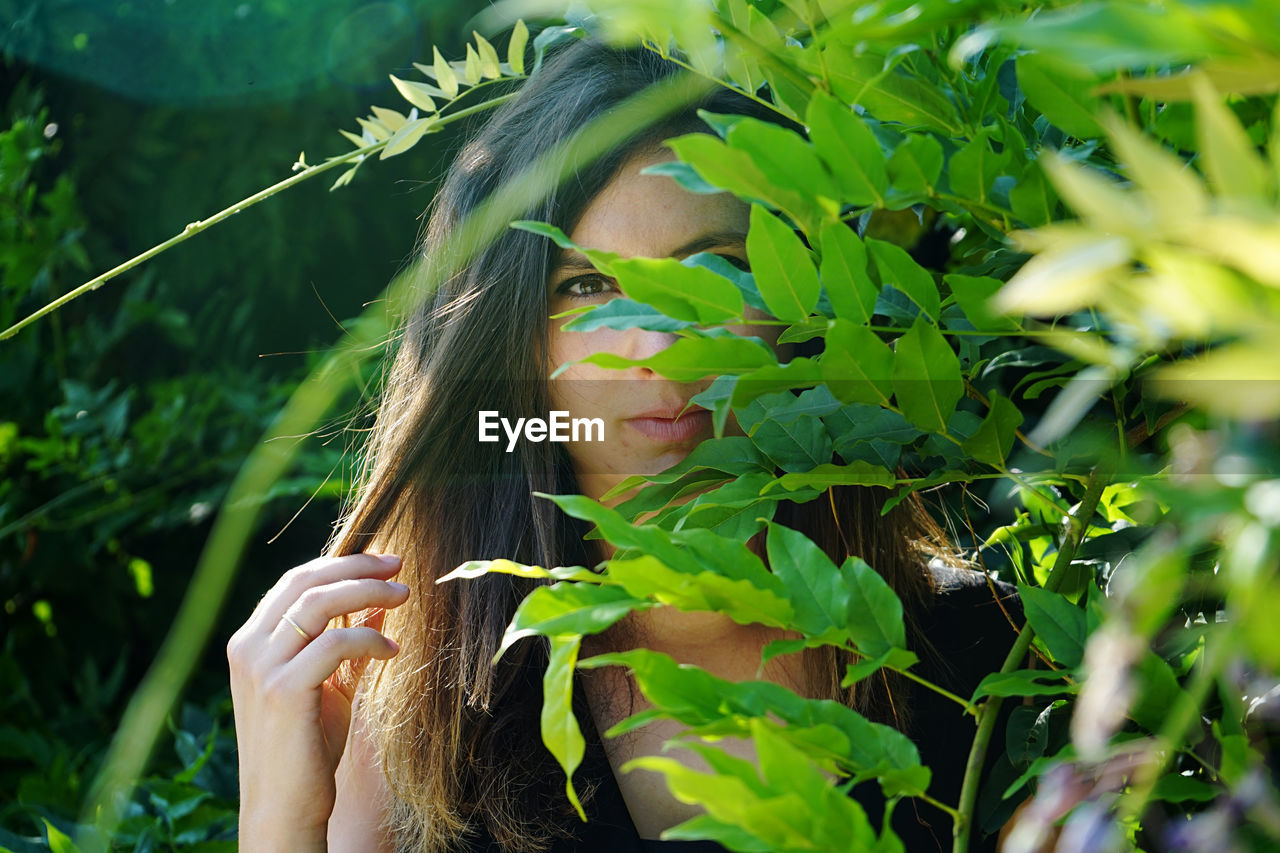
pixel 621 533
pixel 446 79
pixel 895 658
pixel 994 439
pixel 729 835
pixel 1023 682
pixel 478 568
pixel 376 129
pixel 1058 622
pixel 973 294
pixel 740 600
pixel 601 260
pixel 489 64
pixel 818 591
pixel 888 94
pixel 560 731
pixel 416 94
pixel 782 155
pixel 624 313
pixel 390 119
pixel 516 46
pixel 782 267
pixel 798 373
pixel 569 608
pixel 844 273
pixel 59 841
pixel 849 149
pixel 1061 92
pixel 974 168
pixel 823 477
pixel 357 141
pixel 471 70
pixel 796 446
pixel 690 293
pixel 857 366
pixel 735 170
pixel 926 377
pixel 1032 199
pixel 875 613
pixel 1174 788
pixel 916 164
pixel 689 359
pixel 897 268
pixel 407 136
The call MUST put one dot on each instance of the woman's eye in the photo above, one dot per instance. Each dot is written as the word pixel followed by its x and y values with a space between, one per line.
pixel 586 287
pixel 740 263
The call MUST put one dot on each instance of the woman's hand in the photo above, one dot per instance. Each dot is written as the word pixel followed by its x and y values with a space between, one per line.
pixel 292 714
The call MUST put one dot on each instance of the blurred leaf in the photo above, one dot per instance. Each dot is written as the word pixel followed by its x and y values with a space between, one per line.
pixel 1062 92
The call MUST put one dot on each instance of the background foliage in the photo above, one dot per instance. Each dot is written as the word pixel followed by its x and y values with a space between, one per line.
pixel 1058 296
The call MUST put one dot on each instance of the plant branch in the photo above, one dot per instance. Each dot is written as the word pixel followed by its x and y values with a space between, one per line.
pixel 990 709
pixel 198 226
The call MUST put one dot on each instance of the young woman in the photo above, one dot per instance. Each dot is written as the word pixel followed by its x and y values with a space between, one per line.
pixel 442 749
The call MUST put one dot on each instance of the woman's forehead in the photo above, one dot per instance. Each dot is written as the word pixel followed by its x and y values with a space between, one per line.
pixel 652 215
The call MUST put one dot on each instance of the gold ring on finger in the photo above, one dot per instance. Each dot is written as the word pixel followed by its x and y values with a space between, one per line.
pixel 298 628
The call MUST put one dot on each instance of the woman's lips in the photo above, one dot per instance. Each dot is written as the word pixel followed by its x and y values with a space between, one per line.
pixel 673 430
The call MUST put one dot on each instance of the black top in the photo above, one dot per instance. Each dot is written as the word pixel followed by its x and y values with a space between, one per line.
pixel 972 636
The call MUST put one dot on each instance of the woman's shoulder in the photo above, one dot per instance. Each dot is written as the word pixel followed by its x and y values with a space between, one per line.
pixel 971 622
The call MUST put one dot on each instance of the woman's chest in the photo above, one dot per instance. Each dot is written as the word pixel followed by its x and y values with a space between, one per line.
pixel 651 805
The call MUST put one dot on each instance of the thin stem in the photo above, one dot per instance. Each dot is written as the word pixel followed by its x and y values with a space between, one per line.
pixel 941 691
pixel 187 233
pixel 954 812
pixel 990 709
pixel 197 227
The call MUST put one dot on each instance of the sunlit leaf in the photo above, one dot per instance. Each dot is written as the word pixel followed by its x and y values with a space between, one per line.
pixel 560 731
pixel 446 79
pixel 516 46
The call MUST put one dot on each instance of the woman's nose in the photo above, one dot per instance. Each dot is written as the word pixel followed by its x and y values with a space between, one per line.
pixel 641 344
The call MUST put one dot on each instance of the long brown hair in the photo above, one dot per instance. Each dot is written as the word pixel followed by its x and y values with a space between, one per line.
pixel 458 736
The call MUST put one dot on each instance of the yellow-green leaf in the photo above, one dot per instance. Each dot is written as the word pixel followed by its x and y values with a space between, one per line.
pixel 1230 160
pixel 471 71
pixel 516 46
pixel 376 129
pixel 407 137
pixel 445 78
pixel 390 119
pixel 1240 380
pixel 415 93
pixel 560 731
pixel 353 139
pixel 489 66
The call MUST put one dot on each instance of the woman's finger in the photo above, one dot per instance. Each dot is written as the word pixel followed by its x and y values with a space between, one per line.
pixel 316 607
pixel 318 572
pixel 322 656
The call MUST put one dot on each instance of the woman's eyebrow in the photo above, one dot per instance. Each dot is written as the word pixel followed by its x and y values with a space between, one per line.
pixel 572 261
pixel 710 241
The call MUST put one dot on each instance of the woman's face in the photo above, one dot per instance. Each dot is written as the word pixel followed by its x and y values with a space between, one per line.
pixel 636 215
